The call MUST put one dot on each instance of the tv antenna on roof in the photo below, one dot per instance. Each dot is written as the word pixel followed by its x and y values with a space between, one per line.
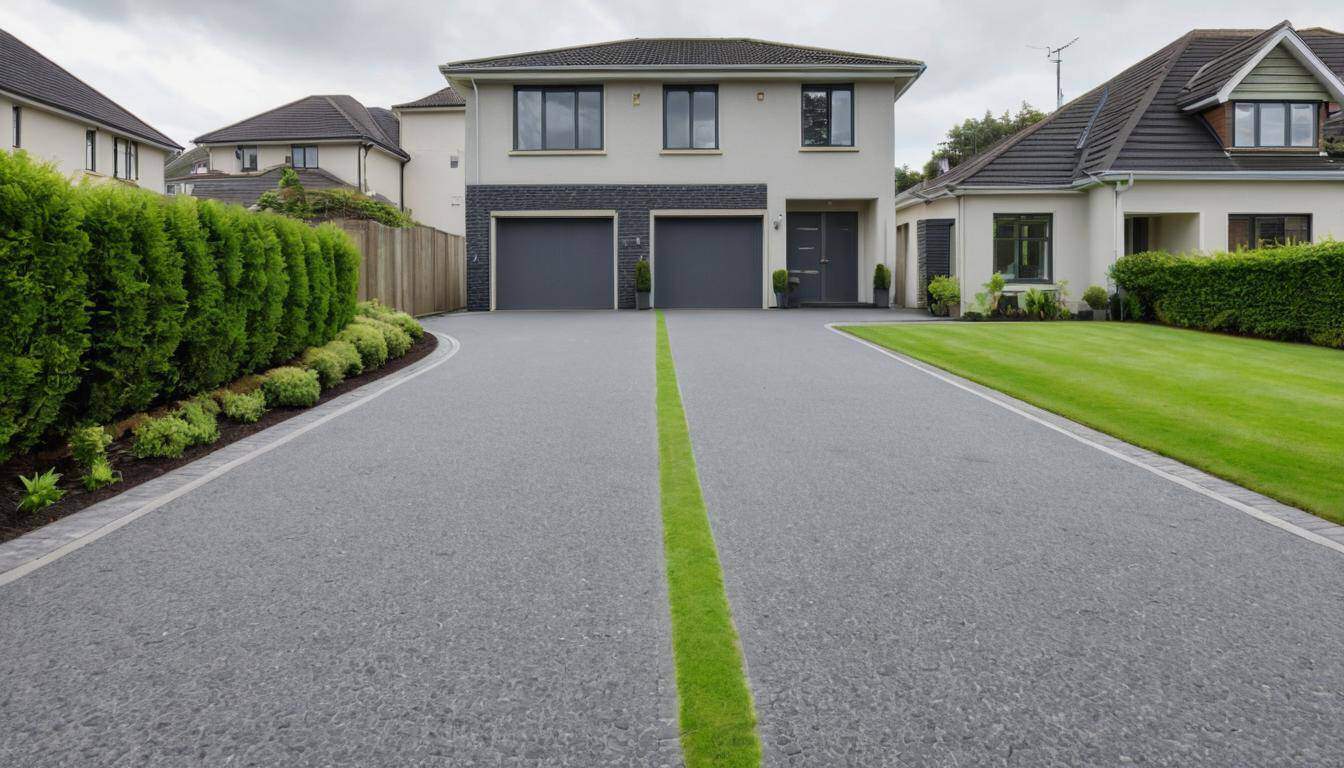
pixel 1056 56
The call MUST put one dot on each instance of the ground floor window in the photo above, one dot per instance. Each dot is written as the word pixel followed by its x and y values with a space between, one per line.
pixel 1022 246
pixel 1251 230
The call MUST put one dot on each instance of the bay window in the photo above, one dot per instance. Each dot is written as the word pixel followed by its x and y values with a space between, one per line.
pixel 557 118
pixel 1274 124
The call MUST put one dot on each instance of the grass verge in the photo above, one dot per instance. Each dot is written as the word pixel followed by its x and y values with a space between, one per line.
pixel 1266 415
pixel 718 719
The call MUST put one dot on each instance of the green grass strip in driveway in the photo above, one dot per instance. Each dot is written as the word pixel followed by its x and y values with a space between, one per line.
pixel 718 719
pixel 1266 415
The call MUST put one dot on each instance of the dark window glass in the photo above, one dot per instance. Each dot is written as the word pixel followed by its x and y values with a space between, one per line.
pixel 303 156
pixel 1022 246
pixel 677 119
pixel 1274 124
pixel 1262 231
pixel 90 150
pixel 247 158
pixel 557 118
pixel 690 117
pixel 828 115
pixel 18 126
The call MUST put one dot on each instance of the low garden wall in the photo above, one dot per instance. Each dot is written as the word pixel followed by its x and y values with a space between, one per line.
pixel 1291 293
pixel 115 298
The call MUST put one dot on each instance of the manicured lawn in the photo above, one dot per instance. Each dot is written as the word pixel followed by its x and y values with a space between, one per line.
pixel 718 720
pixel 1263 414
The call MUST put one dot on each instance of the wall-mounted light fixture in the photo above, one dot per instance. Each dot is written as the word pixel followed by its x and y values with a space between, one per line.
pixel 760 95
pixel 779 219
pixel 634 99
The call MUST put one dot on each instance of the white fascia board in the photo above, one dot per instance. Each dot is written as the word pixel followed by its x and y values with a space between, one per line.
pixel 688 72
pixel 1298 49
pixel 1215 176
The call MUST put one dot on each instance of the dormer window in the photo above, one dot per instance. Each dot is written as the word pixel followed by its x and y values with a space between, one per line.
pixel 1274 124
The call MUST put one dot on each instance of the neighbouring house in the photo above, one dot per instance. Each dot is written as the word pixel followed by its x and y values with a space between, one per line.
pixel 1334 127
pixel 433 133
pixel 181 166
pixel 1213 142
pixel 331 140
pixel 718 160
pixel 53 115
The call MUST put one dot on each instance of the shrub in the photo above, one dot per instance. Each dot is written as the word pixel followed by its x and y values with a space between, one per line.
pixel 202 358
pixel 643 278
pixel 321 277
pixel 881 277
pixel 1043 305
pixel 290 386
pixel 779 279
pixel 245 408
pixel 227 338
pixel 329 366
pixel 987 301
pixel 369 342
pixel 1096 297
pixel 202 426
pixel 352 364
pixel 99 474
pixel 946 292
pixel 373 308
pixel 165 437
pixel 42 283
pixel 294 331
pixel 1291 293
pixel 89 444
pixel 397 340
pixel 345 276
pixel 40 491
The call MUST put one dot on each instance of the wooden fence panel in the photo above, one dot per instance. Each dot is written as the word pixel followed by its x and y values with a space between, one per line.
pixel 420 270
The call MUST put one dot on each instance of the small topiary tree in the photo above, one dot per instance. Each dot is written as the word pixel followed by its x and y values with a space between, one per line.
pixel 881 277
pixel 1096 297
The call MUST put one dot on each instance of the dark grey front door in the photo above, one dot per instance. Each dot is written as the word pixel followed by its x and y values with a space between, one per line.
pixel 707 262
pixel 823 253
pixel 554 264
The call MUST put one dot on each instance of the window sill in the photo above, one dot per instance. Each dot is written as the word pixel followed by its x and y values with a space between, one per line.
pixel 1275 151
pixel 554 152
pixel 691 152
pixel 828 149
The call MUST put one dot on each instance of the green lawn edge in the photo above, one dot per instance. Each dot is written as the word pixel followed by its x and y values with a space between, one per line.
pixel 715 709
pixel 1178 430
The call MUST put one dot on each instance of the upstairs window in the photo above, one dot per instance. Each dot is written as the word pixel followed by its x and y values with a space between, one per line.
pixel 691 117
pixel 90 150
pixel 828 115
pixel 247 158
pixel 18 125
pixel 557 118
pixel 303 156
pixel 1022 246
pixel 1250 230
pixel 1274 124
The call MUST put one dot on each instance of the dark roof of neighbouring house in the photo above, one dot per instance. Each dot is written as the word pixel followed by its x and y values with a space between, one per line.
pixel 25 72
pixel 444 97
pixel 1133 122
pixel 682 52
pixel 1334 127
pixel 313 118
pixel 244 189
pixel 180 164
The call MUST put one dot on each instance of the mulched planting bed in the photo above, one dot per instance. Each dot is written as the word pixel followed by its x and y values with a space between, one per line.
pixel 136 471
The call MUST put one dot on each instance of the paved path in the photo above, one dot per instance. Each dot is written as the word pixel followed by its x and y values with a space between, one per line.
pixel 923 578
pixel 466 571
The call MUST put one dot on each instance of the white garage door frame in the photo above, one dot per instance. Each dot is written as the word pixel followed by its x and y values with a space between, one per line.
pixel 688 213
pixel 495 216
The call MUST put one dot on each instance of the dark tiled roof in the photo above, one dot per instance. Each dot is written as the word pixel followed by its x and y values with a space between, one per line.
pixel 27 73
pixel 444 97
pixel 180 165
pixel 312 118
pixel 245 189
pixel 1213 74
pixel 1133 122
pixel 682 52
pixel 1334 127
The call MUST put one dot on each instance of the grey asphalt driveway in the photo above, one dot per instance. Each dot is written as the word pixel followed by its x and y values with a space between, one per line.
pixel 466 571
pixel 922 578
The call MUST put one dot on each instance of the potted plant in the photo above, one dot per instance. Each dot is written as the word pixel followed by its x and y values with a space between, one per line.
pixel 881 286
pixel 780 279
pixel 643 283
pixel 1096 298
pixel 946 293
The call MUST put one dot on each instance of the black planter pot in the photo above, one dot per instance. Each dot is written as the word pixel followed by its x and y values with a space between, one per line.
pixel 882 298
pixel 641 299
pixel 781 299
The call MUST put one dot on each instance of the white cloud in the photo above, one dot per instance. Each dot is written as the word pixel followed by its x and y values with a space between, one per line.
pixel 187 68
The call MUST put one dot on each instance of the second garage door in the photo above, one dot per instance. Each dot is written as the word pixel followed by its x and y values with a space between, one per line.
pixel 557 263
pixel 708 262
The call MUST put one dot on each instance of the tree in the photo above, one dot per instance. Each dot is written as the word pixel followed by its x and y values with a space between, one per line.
pixel 973 136
pixel 907 177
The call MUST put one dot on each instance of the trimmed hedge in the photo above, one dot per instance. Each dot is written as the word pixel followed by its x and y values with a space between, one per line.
pixel 1290 293
pixel 118 298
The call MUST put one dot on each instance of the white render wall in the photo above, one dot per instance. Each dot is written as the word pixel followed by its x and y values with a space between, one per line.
pixel 339 159
pixel 760 142
pixel 435 190
pixel 382 174
pixel 58 139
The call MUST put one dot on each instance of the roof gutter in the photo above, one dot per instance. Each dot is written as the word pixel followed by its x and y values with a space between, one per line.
pixel 26 101
pixel 910 82
pixel 1152 175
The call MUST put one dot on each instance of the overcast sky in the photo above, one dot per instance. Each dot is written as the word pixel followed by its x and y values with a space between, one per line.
pixel 187 68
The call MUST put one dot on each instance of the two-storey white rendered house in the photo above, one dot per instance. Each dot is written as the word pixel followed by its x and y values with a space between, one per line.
pixel 717 160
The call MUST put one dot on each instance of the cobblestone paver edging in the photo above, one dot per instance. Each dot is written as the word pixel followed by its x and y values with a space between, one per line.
pixel 1278 514
pixel 33 550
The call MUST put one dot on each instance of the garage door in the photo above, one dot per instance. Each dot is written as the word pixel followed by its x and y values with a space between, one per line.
pixel 709 262
pixel 553 264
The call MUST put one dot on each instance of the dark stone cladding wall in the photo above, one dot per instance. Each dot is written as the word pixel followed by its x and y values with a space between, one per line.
pixel 632 203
